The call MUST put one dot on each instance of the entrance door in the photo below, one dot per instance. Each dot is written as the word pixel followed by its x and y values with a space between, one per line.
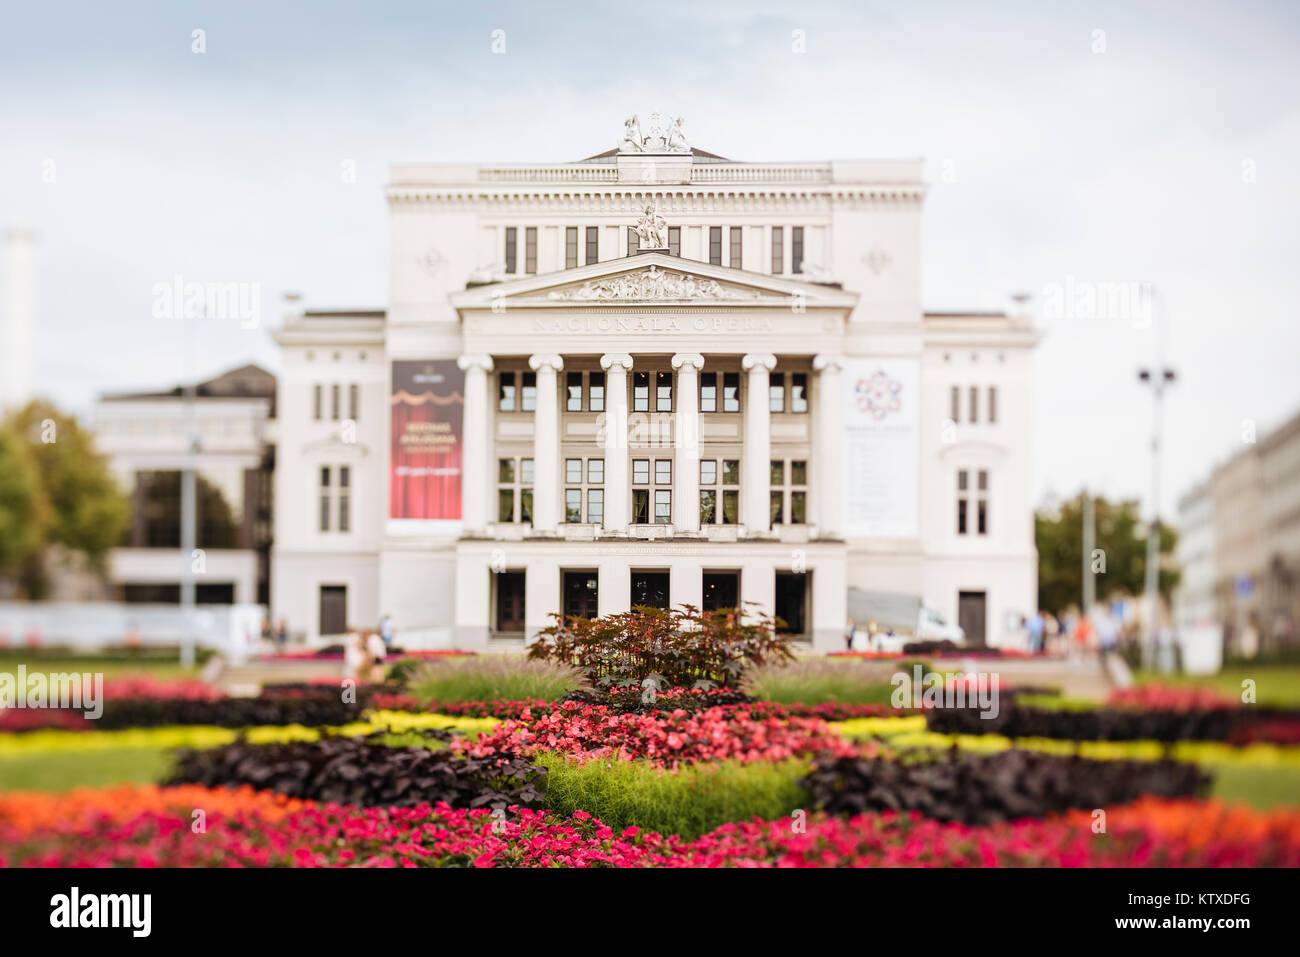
pixel 510 602
pixel 972 609
pixel 721 590
pixel 333 609
pixel 650 589
pixel 581 590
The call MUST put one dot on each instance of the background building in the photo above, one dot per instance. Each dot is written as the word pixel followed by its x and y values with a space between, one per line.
pixel 146 437
pixel 651 376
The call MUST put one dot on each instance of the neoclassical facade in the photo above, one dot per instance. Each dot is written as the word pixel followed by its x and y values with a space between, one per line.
pixel 654 376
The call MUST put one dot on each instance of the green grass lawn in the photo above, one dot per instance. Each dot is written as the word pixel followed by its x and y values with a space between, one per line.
pixel 63 771
pixel 1274 684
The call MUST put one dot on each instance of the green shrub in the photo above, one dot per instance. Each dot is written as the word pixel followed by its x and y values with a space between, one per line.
pixel 823 680
pixel 679 648
pixel 486 678
pixel 689 802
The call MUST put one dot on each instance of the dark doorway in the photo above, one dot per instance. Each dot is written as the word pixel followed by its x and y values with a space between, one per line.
pixel 792 602
pixel 510 603
pixel 581 590
pixel 721 590
pixel 972 608
pixel 650 589
pixel 333 609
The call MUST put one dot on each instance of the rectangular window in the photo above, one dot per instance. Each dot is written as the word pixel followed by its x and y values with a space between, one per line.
pixel 526 506
pixel 954 404
pixel 345 512
pixel 962 488
pixel 570 247
pixel 573 392
pixel 791 602
pixel 799 392
pixel 506 471
pixel 778 250
pixel 719 506
pixel 982 518
pixel 354 402
pixel 730 507
pixel 512 250
pixel 708 472
pixel 798 473
pixel 993 404
pixel 663 471
pixel 663 506
pixel 336 410
pixel 528 392
pixel 317 402
pixel 663 391
pixel 596 506
pixel 798 508
pixel 573 471
pixel 715 245
pixel 778 473
pixel 640 392
pixel 775 512
pixel 796 250
pixel 633 240
pixel 530 249
pixel 596 471
pixel 526 471
pixel 325 499
pixel 708 507
pixel 573 505
pixel 593 245
pixel 731 471
pixel 506 505
pixel 640 506
pixel 974 404
pixel 674 240
pixel 708 392
pixel 776 392
pixel 734 254
pixel 596 392
pixel 641 471
pixel 506 392
pixel 731 392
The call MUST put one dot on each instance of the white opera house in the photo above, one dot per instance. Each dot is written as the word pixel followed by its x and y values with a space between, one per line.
pixel 653 376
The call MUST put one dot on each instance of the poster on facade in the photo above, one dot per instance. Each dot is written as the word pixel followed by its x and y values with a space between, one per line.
pixel 427 429
pixel 882 448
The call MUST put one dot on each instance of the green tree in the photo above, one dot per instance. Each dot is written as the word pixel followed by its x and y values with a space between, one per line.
pixel 1121 539
pixel 88 512
pixel 24 509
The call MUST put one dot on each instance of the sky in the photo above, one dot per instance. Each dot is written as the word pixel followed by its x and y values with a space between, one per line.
pixel 1067 146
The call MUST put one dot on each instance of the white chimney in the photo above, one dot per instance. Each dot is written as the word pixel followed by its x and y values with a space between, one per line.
pixel 18 318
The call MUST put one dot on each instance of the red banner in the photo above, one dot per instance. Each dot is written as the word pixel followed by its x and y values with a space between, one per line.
pixel 427 421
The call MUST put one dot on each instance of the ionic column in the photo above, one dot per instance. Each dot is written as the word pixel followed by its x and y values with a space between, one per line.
pixel 476 445
pixel 828 467
pixel 756 477
pixel 686 483
pixel 546 444
pixel 618 490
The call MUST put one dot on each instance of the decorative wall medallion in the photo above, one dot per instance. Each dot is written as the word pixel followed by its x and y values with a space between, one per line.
pixel 432 261
pixel 877 260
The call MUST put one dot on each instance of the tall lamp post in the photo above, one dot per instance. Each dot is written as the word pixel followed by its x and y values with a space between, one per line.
pixel 1159 378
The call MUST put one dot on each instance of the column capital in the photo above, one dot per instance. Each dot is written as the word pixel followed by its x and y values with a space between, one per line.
pixel 692 360
pixel 828 363
pixel 620 359
pixel 545 361
pixel 755 360
pixel 467 362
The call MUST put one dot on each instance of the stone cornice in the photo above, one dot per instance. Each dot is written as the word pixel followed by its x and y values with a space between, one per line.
pixel 618 199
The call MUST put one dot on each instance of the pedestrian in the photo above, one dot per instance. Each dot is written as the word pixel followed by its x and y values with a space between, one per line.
pixel 848 635
pixel 386 630
pixel 376 652
pixel 268 634
pixel 1036 633
pixel 282 635
pixel 354 655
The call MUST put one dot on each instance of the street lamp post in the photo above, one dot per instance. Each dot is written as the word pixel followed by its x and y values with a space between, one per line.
pixel 1159 378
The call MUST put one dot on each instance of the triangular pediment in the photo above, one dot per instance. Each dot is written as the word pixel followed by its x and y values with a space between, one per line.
pixel 651 279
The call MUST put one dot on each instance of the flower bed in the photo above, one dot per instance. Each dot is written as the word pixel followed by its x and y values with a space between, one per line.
pixel 734 732
pixel 1114 724
pixel 153 827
